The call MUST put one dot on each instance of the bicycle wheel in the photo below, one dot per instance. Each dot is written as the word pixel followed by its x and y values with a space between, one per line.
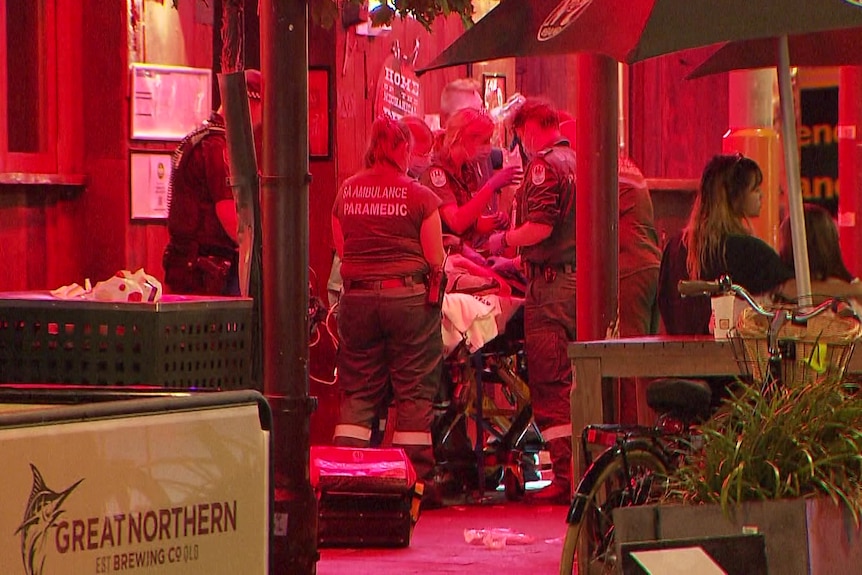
pixel 612 488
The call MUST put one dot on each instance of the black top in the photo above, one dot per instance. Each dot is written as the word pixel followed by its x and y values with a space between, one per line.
pixel 750 262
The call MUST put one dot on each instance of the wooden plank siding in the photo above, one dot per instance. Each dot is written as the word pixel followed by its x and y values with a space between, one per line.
pixel 676 125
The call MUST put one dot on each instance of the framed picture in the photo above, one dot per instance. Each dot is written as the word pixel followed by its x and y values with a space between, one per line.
pixel 493 90
pixel 151 176
pixel 319 116
pixel 168 102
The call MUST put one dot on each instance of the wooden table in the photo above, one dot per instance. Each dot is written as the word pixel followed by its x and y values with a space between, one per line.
pixel 655 356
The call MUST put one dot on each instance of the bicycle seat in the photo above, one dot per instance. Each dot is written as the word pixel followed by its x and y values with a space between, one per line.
pixel 683 399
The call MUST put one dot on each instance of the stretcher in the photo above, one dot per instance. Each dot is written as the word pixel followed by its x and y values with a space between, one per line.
pixel 484 431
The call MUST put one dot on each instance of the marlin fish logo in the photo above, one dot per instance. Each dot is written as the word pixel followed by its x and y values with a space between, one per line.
pixel 43 509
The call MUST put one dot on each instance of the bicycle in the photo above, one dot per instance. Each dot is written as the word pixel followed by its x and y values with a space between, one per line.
pixel 635 461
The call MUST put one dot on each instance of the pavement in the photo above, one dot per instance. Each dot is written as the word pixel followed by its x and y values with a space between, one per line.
pixel 522 540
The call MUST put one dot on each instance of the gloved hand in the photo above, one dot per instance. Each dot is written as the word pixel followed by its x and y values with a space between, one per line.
pixel 496 221
pixel 497 243
pixel 510 175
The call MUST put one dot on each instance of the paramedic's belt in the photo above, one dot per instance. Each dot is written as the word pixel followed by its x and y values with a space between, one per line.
pixel 390 283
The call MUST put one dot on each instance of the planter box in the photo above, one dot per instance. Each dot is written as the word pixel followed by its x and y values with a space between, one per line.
pixel 803 536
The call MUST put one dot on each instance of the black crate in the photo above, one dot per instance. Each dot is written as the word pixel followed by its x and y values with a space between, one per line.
pixel 355 519
pixel 181 342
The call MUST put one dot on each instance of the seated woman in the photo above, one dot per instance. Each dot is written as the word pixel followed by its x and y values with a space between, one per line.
pixel 717 240
pixel 457 177
pixel 824 250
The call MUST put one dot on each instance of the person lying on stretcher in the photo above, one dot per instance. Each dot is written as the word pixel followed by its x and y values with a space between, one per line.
pixel 470 272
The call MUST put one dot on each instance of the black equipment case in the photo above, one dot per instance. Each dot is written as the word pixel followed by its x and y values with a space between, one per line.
pixel 366 497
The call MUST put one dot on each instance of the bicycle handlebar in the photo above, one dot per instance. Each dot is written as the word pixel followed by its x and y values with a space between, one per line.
pixel 724 286
pixel 689 288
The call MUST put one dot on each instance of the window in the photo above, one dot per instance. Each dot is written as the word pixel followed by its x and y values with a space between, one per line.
pixel 28 99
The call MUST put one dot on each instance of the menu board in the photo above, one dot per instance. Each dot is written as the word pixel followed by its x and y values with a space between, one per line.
pixel 168 102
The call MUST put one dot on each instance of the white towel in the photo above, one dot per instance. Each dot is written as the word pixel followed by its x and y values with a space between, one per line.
pixel 469 319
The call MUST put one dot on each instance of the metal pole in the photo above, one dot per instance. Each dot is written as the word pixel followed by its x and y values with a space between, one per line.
pixel 284 206
pixel 243 168
pixel 597 201
pixel 794 186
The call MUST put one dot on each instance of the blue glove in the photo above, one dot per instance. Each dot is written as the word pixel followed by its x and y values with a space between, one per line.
pixel 497 243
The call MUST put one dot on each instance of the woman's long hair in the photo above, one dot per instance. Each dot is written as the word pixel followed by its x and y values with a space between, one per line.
pixel 386 136
pixel 463 123
pixel 824 250
pixel 718 210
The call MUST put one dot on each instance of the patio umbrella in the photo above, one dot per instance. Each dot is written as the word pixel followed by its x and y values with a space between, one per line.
pixel 825 48
pixel 830 48
pixel 635 30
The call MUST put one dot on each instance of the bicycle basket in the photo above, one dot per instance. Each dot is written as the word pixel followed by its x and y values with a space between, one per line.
pixel 818 350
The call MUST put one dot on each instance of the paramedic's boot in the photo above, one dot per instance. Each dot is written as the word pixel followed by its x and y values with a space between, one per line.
pixel 559 491
pixel 437 485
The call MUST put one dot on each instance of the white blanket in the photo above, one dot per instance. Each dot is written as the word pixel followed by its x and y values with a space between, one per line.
pixel 475 320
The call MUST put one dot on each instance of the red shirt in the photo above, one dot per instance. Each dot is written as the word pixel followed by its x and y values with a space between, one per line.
pixel 381 213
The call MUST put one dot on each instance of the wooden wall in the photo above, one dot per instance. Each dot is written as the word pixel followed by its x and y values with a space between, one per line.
pixel 359 61
pixel 78 225
pixel 55 229
pixel 676 125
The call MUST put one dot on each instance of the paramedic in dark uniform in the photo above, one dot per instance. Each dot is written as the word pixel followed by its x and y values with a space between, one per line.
pixel 546 240
pixel 386 229
pixel 202 256
pixel 457 177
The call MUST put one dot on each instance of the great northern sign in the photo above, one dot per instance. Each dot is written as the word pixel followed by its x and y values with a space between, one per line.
pixel 171 493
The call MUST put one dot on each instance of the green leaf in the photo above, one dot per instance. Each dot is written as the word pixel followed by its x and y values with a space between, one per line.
pixel 798 441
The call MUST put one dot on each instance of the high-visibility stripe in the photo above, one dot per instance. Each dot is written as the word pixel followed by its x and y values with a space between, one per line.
pixel 557 432
pixel 352 431
pixel 411 438
pixel 381 425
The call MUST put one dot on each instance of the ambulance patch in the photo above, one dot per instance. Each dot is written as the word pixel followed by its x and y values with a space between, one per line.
pixel 537 174
pixel 438 177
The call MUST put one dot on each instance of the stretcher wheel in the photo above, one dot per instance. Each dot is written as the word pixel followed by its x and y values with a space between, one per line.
pixel 513 482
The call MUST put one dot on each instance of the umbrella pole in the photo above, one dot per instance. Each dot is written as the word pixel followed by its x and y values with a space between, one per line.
pixel 791 166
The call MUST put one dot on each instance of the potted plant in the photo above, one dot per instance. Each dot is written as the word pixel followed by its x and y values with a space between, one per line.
pixel 786 463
